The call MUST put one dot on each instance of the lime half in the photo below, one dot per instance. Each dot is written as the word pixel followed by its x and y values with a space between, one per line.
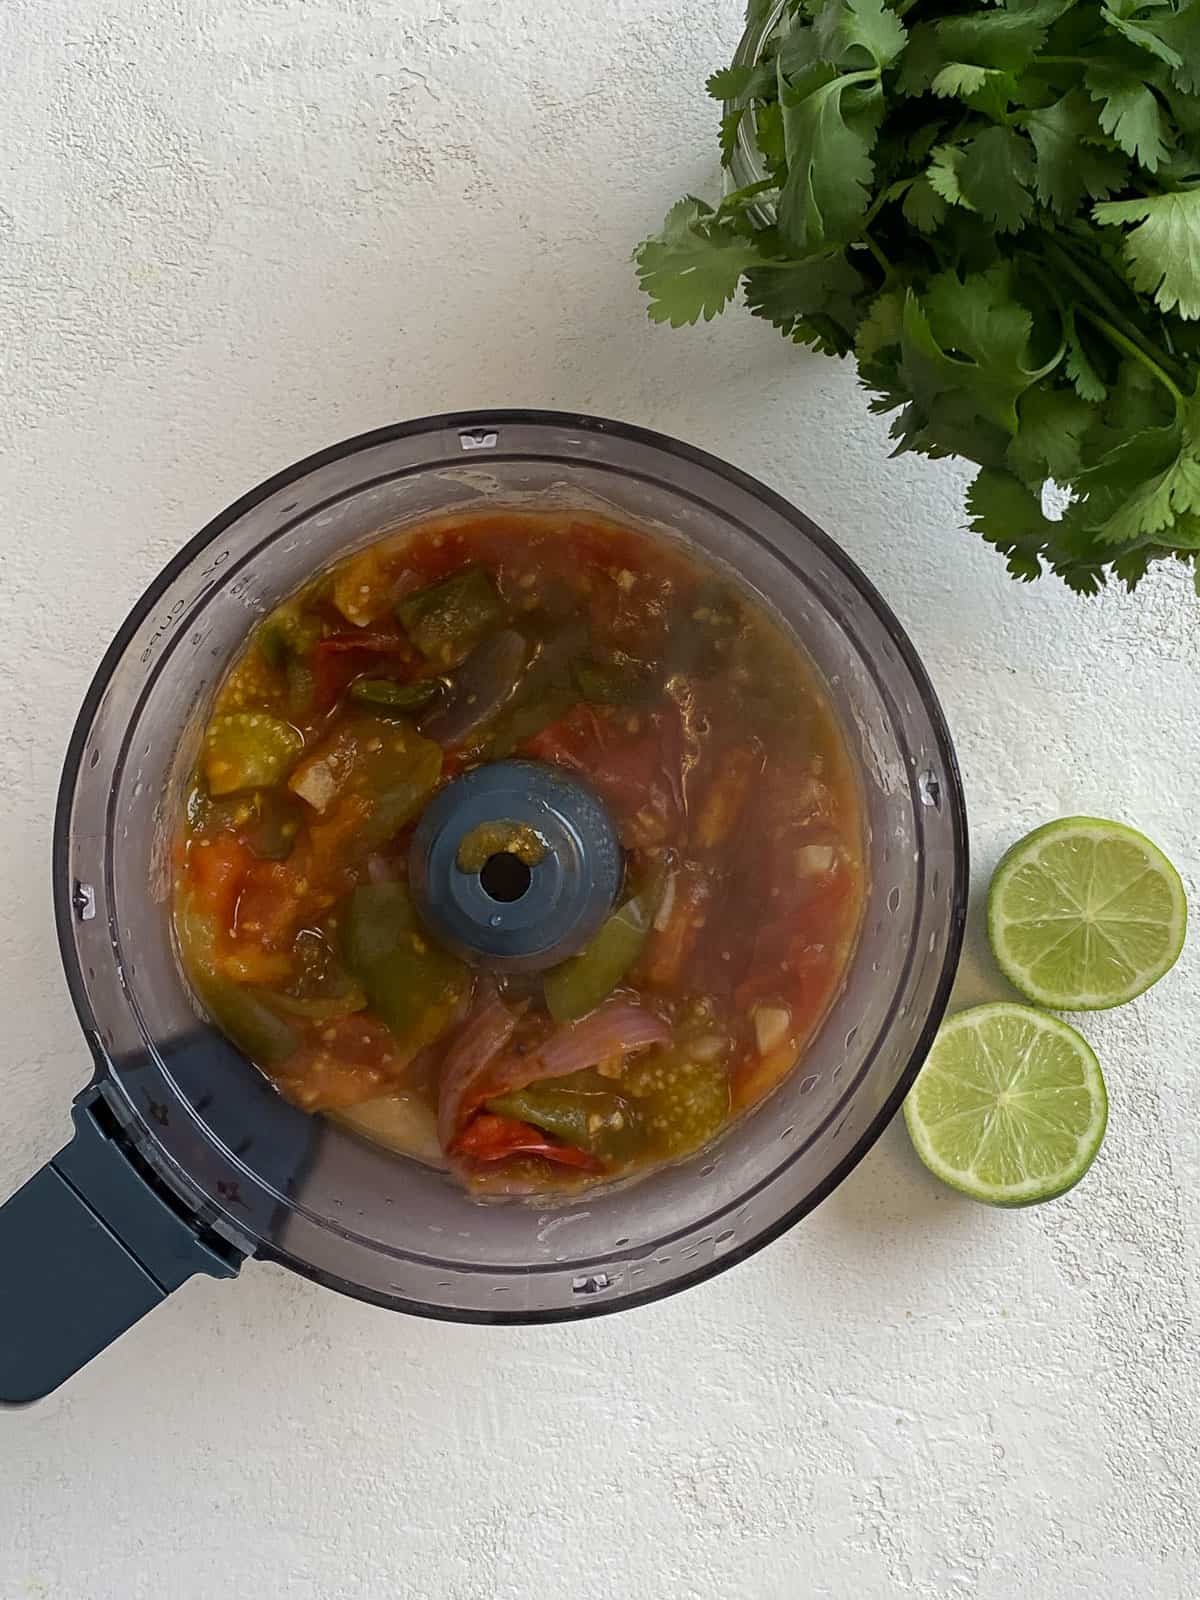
pixel 1084 914
pixel 1010 1105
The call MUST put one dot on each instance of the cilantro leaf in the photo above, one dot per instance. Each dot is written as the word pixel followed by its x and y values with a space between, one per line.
pixel 826 286
pixel 1069 163
pixel 693 268
pixel 1164 250
pixel 996 171
pixel 1130 113
pixel 1148 482
pixel 880 327
pixel 741 82
pixel 1144 38
pixel 944 174
pixel 1005 513
pixel 969 338
pixel 828 148
pixel 923 206
pixel 959 78
pixel 1004 38
pixel 1052 425
pixel 856 33
pixel 1180 30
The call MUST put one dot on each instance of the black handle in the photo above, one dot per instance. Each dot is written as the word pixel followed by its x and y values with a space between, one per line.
pixel 87 1247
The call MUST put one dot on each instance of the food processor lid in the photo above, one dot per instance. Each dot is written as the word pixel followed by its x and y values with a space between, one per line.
pixel 184 1160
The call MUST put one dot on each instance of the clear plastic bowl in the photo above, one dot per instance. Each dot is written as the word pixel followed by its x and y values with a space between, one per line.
pixel 303 1192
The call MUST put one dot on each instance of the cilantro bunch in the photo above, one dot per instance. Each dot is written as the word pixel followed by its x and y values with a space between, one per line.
pixel 996 210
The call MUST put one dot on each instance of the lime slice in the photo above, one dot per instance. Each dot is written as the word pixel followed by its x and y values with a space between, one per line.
pixel 1010 1105
pixel 1084 914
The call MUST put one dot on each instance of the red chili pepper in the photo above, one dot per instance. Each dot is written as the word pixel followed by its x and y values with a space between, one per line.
pixel 492 1138
pixel 341 658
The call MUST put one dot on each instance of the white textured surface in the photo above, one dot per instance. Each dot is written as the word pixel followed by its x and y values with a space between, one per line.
pixel 232 231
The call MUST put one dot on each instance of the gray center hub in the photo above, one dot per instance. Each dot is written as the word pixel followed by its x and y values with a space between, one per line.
pixel 546 887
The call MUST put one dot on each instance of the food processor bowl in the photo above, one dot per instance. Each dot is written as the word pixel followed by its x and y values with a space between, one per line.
pixel 186 1159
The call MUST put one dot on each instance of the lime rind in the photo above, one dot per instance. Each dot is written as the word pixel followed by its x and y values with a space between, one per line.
pixel 1010 1107
pixel 1089 940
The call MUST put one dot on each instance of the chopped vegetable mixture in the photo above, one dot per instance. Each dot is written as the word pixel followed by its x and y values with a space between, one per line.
pixel 574 642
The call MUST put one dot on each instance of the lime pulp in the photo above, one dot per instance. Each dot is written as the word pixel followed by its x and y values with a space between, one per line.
pixel 1010 1107
pixel 1085 914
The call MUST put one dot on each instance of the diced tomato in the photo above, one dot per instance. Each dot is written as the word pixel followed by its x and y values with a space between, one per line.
pixel 492 1138
pixel 216 867
pixel 333 836
pixel 272 905
pixel 338 660
pixel 727 795
pixel 250 963
pixel 353 1059
pixel 788 968
pixel 635 761
pixel 599 544
pixel 669 949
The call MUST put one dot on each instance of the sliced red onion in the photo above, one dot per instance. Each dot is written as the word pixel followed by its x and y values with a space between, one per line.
pixel 487 1029
pixel 478 689
pixel 616 1029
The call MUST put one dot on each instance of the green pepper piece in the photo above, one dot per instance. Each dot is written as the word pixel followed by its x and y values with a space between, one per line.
pixel 547 690
pixel 301 683
pixel 321 988
pixel 385 763
pixel 321 1008
pixel 248 1020
pixel 412 984
pixel 287 632
pixel 388 695
pixel 272 825
pixel 248 750
pixel 447 619
pixel 580 984
pixel 601 1122
pixel 683 1101
pixel 400 775
pixel 619 680
pixel 703 635
pixel 241 1013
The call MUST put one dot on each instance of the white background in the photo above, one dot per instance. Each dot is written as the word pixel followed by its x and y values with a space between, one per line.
pixel 233 231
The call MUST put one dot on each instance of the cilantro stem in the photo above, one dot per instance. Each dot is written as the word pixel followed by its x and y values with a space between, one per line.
pixel 750 191
pixel 1117 319
pixel 884 264
pixel 1115 336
